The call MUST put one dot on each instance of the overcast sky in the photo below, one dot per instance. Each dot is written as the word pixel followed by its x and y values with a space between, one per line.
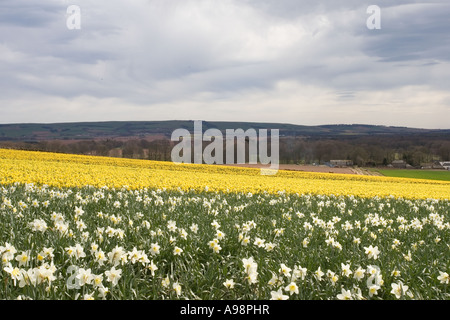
pixel 290 61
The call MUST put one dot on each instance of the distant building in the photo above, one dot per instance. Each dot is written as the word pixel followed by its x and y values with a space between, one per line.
pixel 428 165
pixel 341 163
pixel 432 165
pixel 445 164
pixel 400 164
pixel 438 165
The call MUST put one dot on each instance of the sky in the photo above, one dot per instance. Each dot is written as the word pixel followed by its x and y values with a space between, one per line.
pixel 288 61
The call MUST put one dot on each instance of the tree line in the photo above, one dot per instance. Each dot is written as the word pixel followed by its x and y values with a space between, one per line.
pixel 364 151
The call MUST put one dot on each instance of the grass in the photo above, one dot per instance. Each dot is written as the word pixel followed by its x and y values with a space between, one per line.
pixel 416 174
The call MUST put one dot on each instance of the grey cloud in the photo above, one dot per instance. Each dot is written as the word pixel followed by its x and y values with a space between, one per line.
pixel 27 14
pixel 411 33
pixel 156 52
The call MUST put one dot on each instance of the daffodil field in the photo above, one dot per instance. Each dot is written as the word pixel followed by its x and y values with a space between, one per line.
pixel 80 227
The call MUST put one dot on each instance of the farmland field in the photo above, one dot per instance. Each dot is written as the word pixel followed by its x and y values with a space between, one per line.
pixel 78 227
pixel 416 174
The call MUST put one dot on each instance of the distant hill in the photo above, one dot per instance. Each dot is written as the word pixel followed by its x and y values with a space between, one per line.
pixel 117 129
